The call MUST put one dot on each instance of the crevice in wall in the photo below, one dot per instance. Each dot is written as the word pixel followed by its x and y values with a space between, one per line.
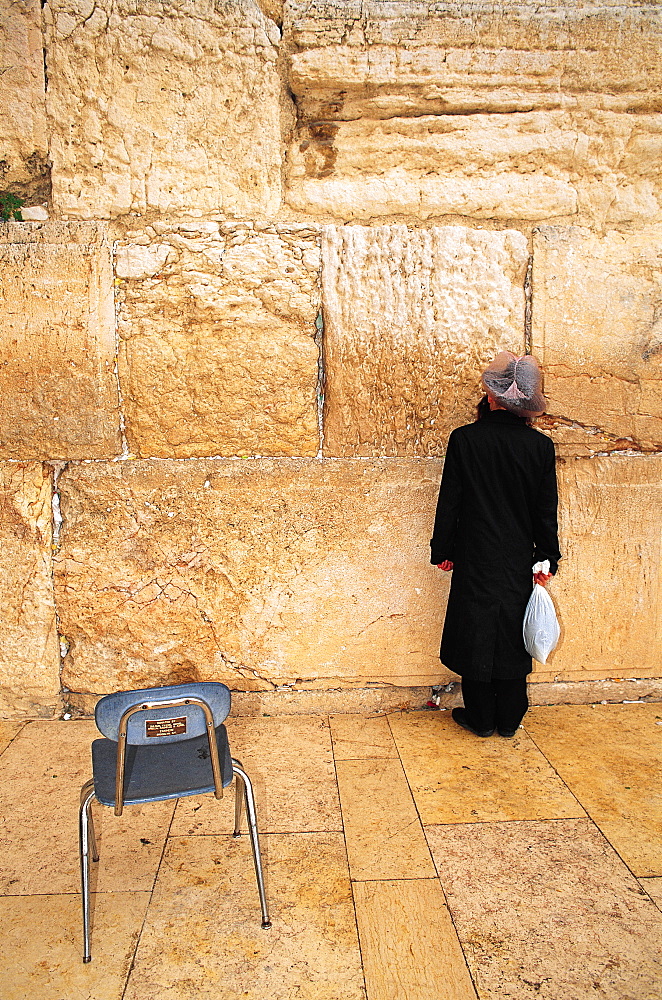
pixel 319 389
pixel 34 187
pixel 43 187
pixel 289 111
pixel 620 445
pixel 58 468
pixel 528 306
pixel 116 369
pixel 56 528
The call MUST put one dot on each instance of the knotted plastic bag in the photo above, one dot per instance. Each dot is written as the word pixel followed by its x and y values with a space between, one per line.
pixel 540 629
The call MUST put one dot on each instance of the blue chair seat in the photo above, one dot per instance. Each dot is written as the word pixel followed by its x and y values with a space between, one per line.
pixel 164 771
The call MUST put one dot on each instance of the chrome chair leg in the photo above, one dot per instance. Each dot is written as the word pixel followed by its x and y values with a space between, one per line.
pixel 255 842
pixel 239 793
pixel 94 851
pixel 85 840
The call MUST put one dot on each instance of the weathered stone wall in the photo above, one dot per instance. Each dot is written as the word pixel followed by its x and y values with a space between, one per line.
pixel 597 329
pixel 217 328
pixel 57 343
pixel 260 573
pixel 281 241
pixel 155 107
pixel 23 129
pixel 412 317
pixel 29 655
pixel 608 587
pixel 485 111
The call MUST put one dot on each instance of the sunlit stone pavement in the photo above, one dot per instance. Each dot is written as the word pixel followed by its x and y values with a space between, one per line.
pixel 405 859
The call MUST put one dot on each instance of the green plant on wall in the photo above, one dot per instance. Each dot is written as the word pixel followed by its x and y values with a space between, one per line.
pixel 10 206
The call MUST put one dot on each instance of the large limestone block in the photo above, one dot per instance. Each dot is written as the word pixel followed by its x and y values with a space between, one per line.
pixel 472 165
pixel 77 233
pixel 412 316
pixel 597 328
pixel 379 60
pixel 29 652
pixel 589 166
pixel 608 588
pixel 23 134
pixel 160 107
pixel 257 573
pixel 57 343
pixel 218 352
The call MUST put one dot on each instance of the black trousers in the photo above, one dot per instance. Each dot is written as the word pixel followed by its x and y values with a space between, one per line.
pixel 495 704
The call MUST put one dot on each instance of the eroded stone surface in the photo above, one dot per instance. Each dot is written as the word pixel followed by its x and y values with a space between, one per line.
pixel 513 111
pixel 315 701
pixel 401 923
pixel 206 886
pixel 217 328
pixel 41 956
pixel 468 788
pixel 29 654
pixel 57 343
pixel 583 692
pixel 547 910
pixel 290 764
pixel 616 782
pixel 607 590
pixel 44 232
pixel 412 316
pixel 597 329
pixel 376 60
pixel 163 109
pixel 377 804
pixel 23 134
pixel 256 573
pixel 591 167
pixel 41 776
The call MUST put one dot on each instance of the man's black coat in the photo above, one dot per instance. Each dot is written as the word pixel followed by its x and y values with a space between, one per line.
pixel 496 517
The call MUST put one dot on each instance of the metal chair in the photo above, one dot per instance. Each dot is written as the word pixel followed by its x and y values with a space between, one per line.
pixel 151 753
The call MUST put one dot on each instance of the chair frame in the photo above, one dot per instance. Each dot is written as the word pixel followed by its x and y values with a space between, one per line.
pixel 243 795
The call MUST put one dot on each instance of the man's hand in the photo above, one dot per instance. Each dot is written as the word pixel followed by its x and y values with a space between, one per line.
pixel 542 578
pixel 446 565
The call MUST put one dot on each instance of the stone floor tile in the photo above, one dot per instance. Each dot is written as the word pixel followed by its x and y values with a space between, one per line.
pixel 290 763
pixel 382 829
pixel 203 939
pixel 41 774
pixel 41 955
pixel 456 777
pixel 653 886
pixel 296 734
pixel 361 736
pixel 8 730
pixel 408 943
pixel 547 910
pixel 610 756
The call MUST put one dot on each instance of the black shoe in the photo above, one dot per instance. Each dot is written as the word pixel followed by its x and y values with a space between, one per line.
pixel 459 716
pixel 508 733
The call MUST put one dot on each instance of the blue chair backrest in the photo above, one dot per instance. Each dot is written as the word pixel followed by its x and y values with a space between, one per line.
pixel 162 725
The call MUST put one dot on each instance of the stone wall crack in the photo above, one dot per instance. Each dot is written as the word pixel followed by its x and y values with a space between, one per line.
pixel 57 522
pixel 621 445
pixel 319 388
pixel 528 306
pixel 116 368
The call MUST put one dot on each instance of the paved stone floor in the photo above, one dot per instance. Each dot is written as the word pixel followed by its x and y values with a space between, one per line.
pixel 405 859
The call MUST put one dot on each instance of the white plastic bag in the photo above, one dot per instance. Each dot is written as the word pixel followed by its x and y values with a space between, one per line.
pixel 540 629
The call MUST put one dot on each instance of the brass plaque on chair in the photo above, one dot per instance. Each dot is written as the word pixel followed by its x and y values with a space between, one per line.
pixel 165 727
